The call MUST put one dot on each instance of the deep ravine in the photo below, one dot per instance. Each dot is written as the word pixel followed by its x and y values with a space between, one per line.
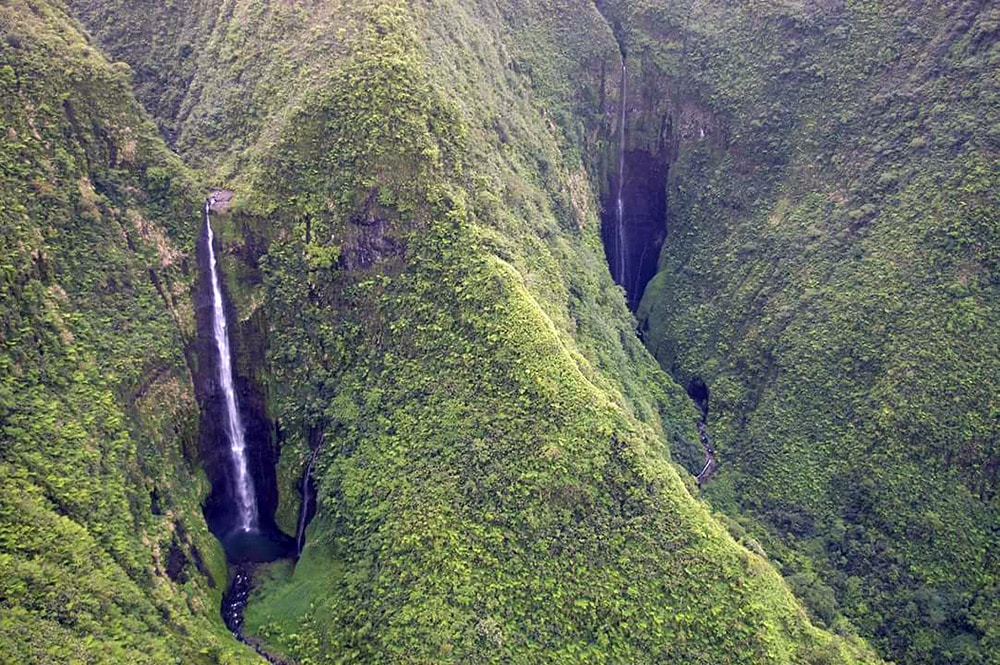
pixel 699 393
pixel 634 199
pixel 242 522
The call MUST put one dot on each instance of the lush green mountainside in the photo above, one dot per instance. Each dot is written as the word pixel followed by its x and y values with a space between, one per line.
pixel 487 491
pixel 104 554
pixel 419 230
pixel 415 259
pixel 831 271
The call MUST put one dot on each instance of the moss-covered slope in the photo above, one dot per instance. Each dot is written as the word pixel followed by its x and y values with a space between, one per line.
pixel 831 272
pixel 416 223
pixel 104 555
pixel 493 471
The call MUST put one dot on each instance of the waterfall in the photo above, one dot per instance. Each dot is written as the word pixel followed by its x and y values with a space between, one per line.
pixel 620 209
pixel 242 481
pixel 300 533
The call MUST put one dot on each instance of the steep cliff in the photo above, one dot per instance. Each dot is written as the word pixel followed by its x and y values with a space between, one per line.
pixel 104 554
pixel 417 193
pixel 830 271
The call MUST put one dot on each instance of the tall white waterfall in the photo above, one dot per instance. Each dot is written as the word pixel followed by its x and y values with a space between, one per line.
pixel 622 273
pixel 242 481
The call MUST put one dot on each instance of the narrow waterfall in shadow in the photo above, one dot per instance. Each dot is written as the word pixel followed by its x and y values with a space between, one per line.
pixel 620 270
pixel 307 509
pixel 634 209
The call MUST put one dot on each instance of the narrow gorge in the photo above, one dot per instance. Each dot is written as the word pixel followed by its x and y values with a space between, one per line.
pixel 641 144
pixel 634 217
pixel 234 456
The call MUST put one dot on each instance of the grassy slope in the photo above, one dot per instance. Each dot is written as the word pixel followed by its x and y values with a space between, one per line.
pixel 833 275
pixel 97 413
pixel 494 481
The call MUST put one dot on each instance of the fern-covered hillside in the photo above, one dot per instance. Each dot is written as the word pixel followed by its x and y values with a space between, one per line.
pixel 104 554
pixel 831 272
pixel 497 457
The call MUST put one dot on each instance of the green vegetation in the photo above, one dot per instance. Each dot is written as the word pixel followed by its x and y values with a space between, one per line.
pixel 415 186
pixel 101 534
pixel 415 259
pixel 486 490
pixel 832 273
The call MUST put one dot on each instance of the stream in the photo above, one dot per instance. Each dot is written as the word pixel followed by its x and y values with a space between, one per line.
pixel 699 393
pixel 711 464
pixel 234 601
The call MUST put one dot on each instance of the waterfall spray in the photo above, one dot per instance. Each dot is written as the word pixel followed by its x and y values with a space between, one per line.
pixel 622 273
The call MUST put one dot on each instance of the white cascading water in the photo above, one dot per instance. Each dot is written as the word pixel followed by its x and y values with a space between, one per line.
pixel 621 180
pixel 300 533
pixel 242 481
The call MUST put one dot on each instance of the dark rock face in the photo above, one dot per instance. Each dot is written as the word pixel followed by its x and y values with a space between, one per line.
pixel 644 216
pixel 177 563
pixel 215 458
pixel 698 391
pixel 369 236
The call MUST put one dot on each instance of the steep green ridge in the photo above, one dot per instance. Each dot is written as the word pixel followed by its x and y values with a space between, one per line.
pixel 831 271
pixel 415 185
pixel 486 492
pixel 104 554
